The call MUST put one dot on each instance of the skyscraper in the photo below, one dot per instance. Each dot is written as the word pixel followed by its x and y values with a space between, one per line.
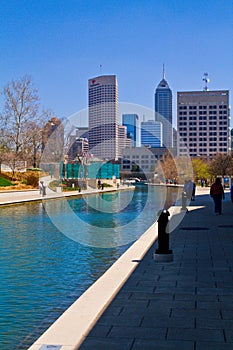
pixel 131 122
pixel 151 133
pixel 103 116
pixel 203 121
pixel 163 110
pixel 122 137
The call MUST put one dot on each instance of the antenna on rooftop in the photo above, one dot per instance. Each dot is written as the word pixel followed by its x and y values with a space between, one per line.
pixel 163 71
pixel 101 69
pixel 206 80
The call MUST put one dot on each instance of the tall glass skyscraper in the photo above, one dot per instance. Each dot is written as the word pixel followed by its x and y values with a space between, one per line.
pixel 163 110
pixel 103 116
pixel 131 122
pixel 151 134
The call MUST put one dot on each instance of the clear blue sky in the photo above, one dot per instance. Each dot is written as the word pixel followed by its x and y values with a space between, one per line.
pixel 61 44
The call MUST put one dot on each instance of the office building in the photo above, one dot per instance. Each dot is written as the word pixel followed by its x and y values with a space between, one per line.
pixel 163 110
pixel 203 121
pixel 131 121
pixel 138 159
pixel 122 137
pixel 151 133
pixel 103 116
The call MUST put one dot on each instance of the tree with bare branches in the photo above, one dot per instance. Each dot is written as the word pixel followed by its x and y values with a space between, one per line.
pixel 221 165
pixel 22 123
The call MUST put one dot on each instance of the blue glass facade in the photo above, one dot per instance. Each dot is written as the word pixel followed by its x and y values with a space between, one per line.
pixel 151 134
pixel 163 111
pixel 131 122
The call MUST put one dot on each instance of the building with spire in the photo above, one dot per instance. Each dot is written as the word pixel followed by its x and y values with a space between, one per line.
pixel 163 110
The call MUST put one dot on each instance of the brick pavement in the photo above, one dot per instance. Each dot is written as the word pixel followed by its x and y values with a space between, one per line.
pixel 186 304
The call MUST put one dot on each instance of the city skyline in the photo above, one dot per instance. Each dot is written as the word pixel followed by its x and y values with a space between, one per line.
pixel 62 47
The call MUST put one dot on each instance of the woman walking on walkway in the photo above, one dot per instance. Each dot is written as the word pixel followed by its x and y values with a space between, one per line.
pixel 217 193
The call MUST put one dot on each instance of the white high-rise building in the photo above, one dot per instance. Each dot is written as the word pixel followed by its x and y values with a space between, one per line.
pixel 203 121
pixel 103 116
pixel 122 138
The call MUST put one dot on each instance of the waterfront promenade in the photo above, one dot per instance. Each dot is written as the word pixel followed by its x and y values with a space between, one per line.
pixel 14 197
pixel 186 304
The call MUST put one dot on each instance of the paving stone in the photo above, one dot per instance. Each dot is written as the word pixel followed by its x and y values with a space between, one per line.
pixel 173 322
pixel 142 344
pixel 185 304
pixel 211 323
pixel 202 314
pixel 99 331
pixel 227 313
pixel 229 335
pixel 189 304
pixel 138 332
pixel 195 334
pixel 104 344
pixel 213 346
pixel 120 302
pixel 150 296
pixel 132 319
pixel 115 311
pixel 208 305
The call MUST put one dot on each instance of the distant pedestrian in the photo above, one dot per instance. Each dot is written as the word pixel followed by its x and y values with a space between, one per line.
pixel 217 193
pixel 202 182
pixel 41 187
pixel 188 189
pixel 193 191
pixel 231 193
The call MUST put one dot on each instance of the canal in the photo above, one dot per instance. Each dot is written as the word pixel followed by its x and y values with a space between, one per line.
pixel 52 251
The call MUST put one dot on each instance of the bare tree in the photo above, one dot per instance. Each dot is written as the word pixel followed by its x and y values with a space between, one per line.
pixel 21 106
pixel 22 122
pixel 221 165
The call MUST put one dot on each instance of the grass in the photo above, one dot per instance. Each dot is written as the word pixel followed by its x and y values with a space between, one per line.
pixel 5 182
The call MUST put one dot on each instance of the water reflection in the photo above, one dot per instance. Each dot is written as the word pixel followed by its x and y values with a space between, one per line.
pixel 43 272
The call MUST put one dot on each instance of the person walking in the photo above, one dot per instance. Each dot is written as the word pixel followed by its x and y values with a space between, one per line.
pixel 217 193
pixel 231 192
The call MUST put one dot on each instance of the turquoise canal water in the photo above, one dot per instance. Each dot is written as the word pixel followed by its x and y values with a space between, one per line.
pixel 43 271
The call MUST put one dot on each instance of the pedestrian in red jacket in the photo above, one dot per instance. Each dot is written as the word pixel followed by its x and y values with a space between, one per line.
pixel 217 193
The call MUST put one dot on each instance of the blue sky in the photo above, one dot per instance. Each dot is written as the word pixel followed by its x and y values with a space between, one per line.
pixel 61 44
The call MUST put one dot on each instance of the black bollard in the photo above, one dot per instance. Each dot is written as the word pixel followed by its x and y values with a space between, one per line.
pixel 163 253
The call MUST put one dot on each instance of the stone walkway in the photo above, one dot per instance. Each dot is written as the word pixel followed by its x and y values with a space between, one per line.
pixel 14 197
pixel 186 304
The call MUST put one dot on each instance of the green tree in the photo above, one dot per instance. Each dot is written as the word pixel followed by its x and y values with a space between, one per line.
pixel 200 169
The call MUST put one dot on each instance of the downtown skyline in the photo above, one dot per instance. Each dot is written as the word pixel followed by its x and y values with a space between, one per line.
pixel 62 47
